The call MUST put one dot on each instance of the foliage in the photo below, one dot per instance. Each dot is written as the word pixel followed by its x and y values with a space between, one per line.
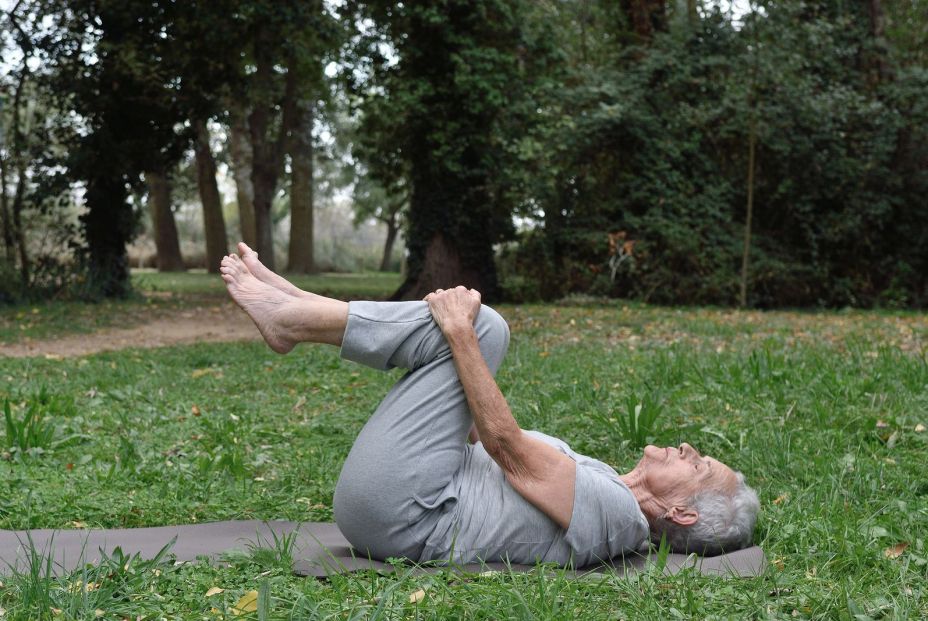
pixel 440 118
pixel 475 124
pixel 654 143
pixel 34 432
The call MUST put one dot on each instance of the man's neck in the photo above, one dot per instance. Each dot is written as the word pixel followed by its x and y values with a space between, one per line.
pixel 635 482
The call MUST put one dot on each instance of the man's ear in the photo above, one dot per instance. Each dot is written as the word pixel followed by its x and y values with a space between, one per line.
pixel 684 516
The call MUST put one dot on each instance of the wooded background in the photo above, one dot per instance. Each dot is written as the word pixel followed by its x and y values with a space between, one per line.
pixel 675 151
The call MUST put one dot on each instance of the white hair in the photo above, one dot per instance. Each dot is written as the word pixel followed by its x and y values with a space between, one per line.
pixel 725 522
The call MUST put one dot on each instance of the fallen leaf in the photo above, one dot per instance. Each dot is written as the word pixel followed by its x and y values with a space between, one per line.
pixel 893 438
pixel 299 403
pixel 418 596
pixel 896 550
pixel 544 354
pixel 77 524
pixel 55 611
pixel 213 591
pixel 98 613
pixel 195 410
pixel 778 563
pixel 919 428
pixel 52 357
pixel 781 498
pixel 881 424
pixel 246 603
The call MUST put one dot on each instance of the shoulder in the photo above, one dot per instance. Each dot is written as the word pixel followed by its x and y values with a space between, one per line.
pixel 605 514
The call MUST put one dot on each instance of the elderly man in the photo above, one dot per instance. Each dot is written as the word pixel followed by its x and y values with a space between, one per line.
pixel 413 487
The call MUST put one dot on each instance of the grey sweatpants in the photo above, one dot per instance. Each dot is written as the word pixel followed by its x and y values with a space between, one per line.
pixel 394 483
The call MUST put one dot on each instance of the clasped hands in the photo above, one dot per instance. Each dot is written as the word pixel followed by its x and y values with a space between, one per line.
pixel 454 309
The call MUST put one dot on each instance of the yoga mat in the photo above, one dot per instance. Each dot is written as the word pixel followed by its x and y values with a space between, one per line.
pixel 319 550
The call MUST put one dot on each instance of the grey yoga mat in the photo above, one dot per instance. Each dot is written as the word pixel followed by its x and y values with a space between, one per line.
pixel 319 549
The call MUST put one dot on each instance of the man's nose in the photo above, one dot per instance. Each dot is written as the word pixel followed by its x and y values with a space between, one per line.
pixel 688 450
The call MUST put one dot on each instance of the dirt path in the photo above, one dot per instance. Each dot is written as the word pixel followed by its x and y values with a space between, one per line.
pixel 217 323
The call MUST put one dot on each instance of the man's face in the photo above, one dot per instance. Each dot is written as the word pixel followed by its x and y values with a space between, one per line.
pixel 675 475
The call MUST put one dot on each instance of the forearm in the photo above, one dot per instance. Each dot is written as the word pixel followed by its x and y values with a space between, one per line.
pixel 493 419
pixel 540 473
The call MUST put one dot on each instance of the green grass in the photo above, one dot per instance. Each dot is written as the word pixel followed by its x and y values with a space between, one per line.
pixel 819 410
pixel 364 285
pixel 156 293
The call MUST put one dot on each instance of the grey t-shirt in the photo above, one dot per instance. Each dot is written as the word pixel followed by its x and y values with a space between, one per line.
pixel 485 518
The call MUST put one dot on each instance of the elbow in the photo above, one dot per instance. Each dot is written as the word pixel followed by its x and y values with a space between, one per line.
pixel 505 450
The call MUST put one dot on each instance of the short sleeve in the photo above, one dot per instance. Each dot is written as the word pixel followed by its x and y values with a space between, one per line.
pixel 606 519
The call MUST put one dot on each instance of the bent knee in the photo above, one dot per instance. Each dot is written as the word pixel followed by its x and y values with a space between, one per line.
pixel 493 334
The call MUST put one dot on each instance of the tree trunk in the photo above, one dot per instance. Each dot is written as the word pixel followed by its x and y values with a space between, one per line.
pixel 162 223
pixel 19 232
pixel 392 230
pixel 240 150
pixel 879 62
pixel 301 191
pixel 692 13
pixel 108 225
pixel 752 149
pixel 749 216
pixel 5 220
pixel 267 160
pixel 214 223
pixel 645 17
pixel 442 268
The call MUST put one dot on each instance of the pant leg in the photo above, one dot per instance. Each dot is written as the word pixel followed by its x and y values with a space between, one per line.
pixel 396 480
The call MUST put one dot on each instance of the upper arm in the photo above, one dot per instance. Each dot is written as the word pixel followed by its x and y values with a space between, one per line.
pixel 541 474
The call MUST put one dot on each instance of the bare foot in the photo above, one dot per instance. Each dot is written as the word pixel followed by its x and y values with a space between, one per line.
pixel 275 313
pixel 259 271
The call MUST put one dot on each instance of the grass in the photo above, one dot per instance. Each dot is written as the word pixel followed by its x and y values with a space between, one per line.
pixel 364 285
pixel 820 410
pixel 156 293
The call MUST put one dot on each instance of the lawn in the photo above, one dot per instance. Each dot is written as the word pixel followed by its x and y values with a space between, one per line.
pixel 155 293
pixel 824 412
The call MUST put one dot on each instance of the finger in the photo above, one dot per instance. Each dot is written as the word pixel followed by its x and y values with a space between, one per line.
pixel 475 293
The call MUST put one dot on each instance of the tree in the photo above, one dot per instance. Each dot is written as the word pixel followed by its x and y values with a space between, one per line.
pixel 164 228
pixel 646 17
pixel 287 43
pixel 447 107
pixel 373 200
pixel 301 191
pixel 214 225
pixel 241 153
pixel 130 98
